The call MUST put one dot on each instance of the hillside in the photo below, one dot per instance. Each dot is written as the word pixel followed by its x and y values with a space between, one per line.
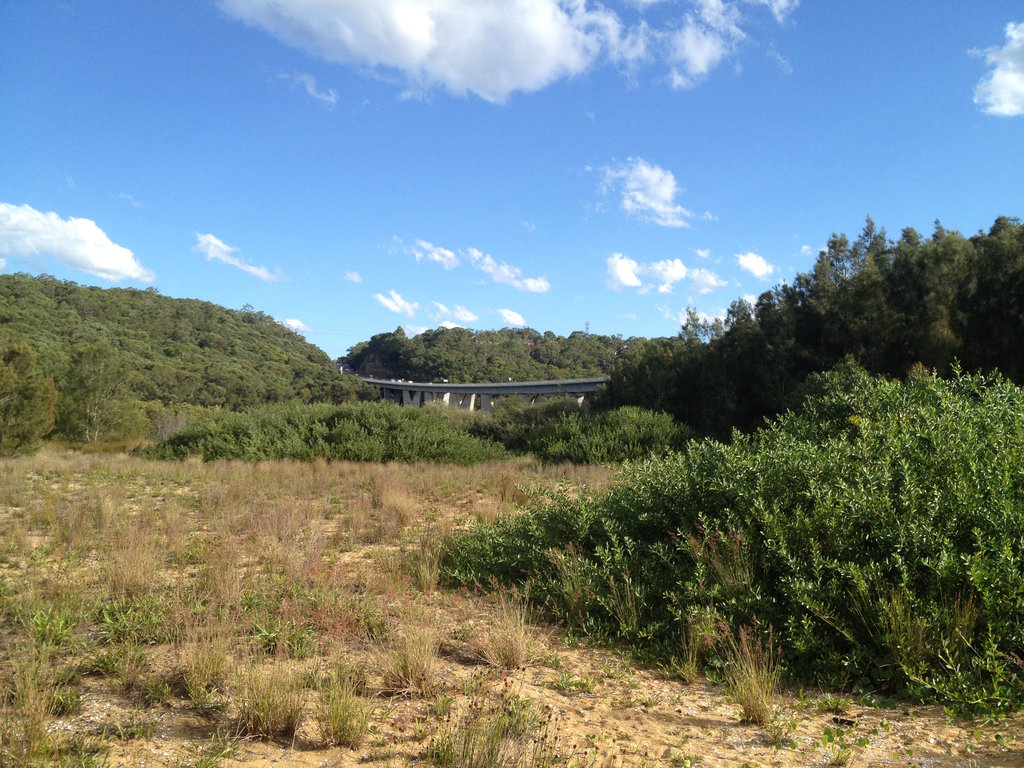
pixel 462 355
pixel 171 351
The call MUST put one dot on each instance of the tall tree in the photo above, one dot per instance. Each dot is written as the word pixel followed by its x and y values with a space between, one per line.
pixel 27 399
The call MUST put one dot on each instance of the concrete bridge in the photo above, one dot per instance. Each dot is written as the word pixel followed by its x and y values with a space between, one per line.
pixel 468 396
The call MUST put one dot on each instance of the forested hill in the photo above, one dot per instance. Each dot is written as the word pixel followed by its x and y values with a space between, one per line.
pixel 461 355
pixel 161 349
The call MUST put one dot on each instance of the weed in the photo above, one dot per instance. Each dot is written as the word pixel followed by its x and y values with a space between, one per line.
pixel 409 664
pixel 752 676
pixel 342 718
pixel 270 701
pixel 507 643
pixel 569 684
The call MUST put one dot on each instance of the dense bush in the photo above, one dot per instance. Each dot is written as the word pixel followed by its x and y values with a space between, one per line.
pixel 560 431
pixel 879 530
pixel 361 432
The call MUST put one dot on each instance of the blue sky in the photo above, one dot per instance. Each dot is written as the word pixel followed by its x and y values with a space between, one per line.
pixel 349 166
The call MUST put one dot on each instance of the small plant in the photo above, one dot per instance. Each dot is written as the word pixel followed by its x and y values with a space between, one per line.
pixel 65 700
pixel 834 703
pixel 204 670
pixel 837 750
pixel 135 727
pixel 568 684
pixel 208 755
pixel 778 732
pixel 409 664
pixel 752 676
pixel 507 643
pixel 491 735
pixel 270 701
pixel 342 718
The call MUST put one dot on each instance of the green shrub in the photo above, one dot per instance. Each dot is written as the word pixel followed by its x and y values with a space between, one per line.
pixel 879 529
pixel 360 432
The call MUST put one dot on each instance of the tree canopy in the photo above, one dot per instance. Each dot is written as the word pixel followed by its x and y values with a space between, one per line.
pixel 890 305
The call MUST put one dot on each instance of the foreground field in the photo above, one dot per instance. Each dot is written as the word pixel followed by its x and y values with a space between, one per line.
pixel 189 614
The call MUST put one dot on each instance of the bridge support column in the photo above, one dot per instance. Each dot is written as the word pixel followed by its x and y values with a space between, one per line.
pixel 486 403
pixel 468 402
pixel 410 397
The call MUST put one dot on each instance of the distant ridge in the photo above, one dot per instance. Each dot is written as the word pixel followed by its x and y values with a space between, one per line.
pixel 175 351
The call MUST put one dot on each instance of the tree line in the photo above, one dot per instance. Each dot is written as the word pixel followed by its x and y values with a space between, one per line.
pixel 461 355
pixel 940 302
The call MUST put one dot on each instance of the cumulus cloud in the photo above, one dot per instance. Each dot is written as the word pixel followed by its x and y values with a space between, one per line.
pixel 396 303
pixel 495 48
pixel 76 243
pixel 216 250
pixel 296 325
pixel 3 264
pixel 353 277
pixel 511 318
pixel 754 264
pixel 1001 91
pixel 499 273
pixel 648 192
pixel 452 317
pixel 624 272
pixel 706 281
pixel 489 47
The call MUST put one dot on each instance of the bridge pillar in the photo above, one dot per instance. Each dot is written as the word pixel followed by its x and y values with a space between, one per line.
pixel 410 397
pixel 468 401
pixel 485 403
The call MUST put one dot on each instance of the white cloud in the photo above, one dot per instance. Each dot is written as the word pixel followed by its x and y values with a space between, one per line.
pixel 216 250
pixel 307 81
pixel 703 252
pixel 754 264
pixel 296 325
pixel 499 273
pixel 396 303
pixel 706 281
pixel 353 277
pixel 414 330
pixel 450 324
pixel 130 200
pixel 77 243
pixel 494 48
pixel 506 273
pixel 648 192
pixel 511 318
pixel 668 272
pixel 1001 91
pixel 3 264
pixel 780 8
pixel 489 47
pixel 457 313
pixel 424 250
pixel 698 49
pixel 709 216
pixel 623 272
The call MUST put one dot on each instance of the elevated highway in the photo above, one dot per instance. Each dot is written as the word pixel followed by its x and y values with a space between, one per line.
pixel 482 396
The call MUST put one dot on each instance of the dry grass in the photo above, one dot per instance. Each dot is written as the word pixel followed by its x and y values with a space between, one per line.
pixel 271 700
pixel 408 664
pixel 159 606
pixel 507 641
